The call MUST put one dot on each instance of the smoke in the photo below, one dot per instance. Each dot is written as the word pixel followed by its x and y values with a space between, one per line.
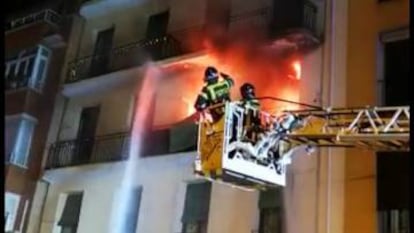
pixel 246 57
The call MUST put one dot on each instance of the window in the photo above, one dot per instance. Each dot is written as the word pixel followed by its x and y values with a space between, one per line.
pixel 28 69
pixel 10 211
pixel 393 221
pixel 271 214
pixel 70 215
pixel 40 69
pixel 133 211
pixel 196 208
pixel 393 170
pixel 19 132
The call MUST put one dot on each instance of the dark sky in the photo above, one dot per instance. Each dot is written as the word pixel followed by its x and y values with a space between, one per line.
pixel 16 6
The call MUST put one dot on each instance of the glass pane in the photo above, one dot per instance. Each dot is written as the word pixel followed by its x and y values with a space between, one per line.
pixel 41 73
pixel 131 216
pixel 30 66
pixel 11 205
pixel 23 143
pixel 12 70
pixel 12 127
pixel 67 229
pixel 22 67
pixel 44 52
pixel 191 227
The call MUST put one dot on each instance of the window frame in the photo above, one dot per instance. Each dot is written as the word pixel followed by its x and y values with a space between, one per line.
pixel 12 159
pixel 10 224
pixel 386 218
pixel 35 81
pixel 202 225
pixel 383 38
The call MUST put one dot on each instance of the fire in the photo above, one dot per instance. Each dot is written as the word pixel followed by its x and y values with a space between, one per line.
pixel 256 64
pixel 190 109
pixel 298 69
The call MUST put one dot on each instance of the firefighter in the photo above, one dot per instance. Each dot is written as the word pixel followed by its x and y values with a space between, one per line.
pixel 215 92
pixel 247 92
pixel 252 125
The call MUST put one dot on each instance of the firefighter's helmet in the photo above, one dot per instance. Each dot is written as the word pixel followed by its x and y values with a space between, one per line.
pixel 211 75
pixel 247 91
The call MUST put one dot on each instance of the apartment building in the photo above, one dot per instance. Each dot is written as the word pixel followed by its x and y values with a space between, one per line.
pixel 90 135
pixel 333 190
pixel 35 43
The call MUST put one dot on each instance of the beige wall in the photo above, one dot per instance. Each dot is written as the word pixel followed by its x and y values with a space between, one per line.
pixel 163 180
pixel 366 20
pixel 231 210
pixel 314 196
pixel 109 121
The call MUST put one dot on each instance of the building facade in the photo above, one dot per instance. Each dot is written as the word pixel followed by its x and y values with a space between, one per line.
pixel 35 43
pixel 119 45
pixel 377 32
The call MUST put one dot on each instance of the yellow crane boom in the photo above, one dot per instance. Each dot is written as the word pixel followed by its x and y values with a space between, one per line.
pixel 226 153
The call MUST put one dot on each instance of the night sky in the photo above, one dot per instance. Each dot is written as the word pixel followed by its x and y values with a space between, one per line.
pixel 16 6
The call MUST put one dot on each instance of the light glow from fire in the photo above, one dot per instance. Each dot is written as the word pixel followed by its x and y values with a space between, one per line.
pixel 297 67
pixel 189 104
pixel 271 75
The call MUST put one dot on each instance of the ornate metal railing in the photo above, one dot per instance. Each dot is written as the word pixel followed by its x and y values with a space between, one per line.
pixel 262 14
pixel 123 57
pixel 115 147
pixel 16 82
pixel 46 15
pixel 108 148
pixel 310 15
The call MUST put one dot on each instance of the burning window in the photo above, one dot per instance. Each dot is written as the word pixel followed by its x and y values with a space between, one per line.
pixel 271 74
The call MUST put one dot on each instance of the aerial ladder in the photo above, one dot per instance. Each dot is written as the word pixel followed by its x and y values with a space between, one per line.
pixel 226 155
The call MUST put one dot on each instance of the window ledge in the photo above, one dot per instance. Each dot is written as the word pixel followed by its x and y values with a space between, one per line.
pixel 21 89
pixel 18 165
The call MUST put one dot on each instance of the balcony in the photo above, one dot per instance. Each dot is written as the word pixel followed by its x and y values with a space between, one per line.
pixel 115 147
pixel 45 16
pixel 45 26
pixel 28 69
pixel 107 148
pixel 299 22
pixel 123 57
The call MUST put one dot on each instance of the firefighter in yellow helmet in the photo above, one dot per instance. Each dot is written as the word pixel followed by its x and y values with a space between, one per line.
pixel 215 92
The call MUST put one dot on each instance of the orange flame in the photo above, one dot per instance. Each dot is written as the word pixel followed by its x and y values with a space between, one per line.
pixel 256 64
pixel 297 69
pixel 190 106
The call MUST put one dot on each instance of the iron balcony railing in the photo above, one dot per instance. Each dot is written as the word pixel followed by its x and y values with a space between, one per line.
pixel 123 57
pixel 108 148
pixel 310 16
pixel 47 15
pixel 115 147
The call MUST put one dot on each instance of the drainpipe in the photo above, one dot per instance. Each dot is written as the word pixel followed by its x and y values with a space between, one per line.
pixel 43 203
pixel 66 100
pixel 80 34
pixel 330 73
pixel 326 54
pixel 322 104
pixel 62 116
